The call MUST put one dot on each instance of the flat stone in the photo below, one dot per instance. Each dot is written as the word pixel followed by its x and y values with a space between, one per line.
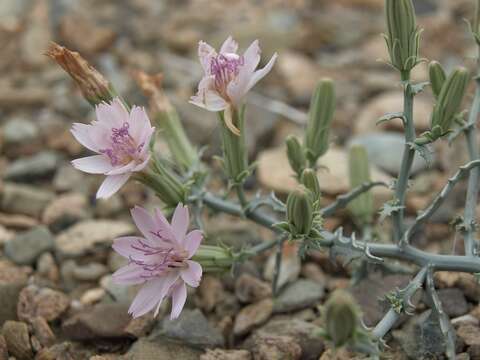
pixel 44 302
pixel 31 168
pixel 299 295
pixel 453 301
pixel 82 237
pixel 252 316
pixel 276 347
pixel 144 349
pixel 222 354
pixel 8 301
pixel 191 328
pixel 17 339
pixel 65 210
pixel 26 247
pixel 101 321
pixel 249 288
pixel 24 199
pixel 89 272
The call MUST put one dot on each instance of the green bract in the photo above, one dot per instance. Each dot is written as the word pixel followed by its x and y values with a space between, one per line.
pixel 437 77
pixel 300 212
pixel 295 154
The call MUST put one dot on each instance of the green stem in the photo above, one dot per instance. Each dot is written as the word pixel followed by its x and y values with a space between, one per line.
pixel 407 161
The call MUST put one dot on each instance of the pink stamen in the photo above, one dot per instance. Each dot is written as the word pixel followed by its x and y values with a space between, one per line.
pixel 123 148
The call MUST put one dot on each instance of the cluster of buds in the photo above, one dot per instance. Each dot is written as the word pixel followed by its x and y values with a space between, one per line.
pixel 402 36
pixel 449 93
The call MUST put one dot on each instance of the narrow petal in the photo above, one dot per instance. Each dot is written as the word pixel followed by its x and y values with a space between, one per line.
pixel 144 222
pixel 128 247
pixel 111 185
pixel 122 169
pixel 149 296
pixel 180 223
pixel 229 46
pixel 179 297
pixel 163 225
pixel 205 54
pixel 143 164
pixel 81 134
pixel 259 74
pixel 192 242
pixel 139 123
pixel 129 275
pixel 208 98
pixel 251 58
pixel 96 164
pixel 193 274
pixel 228 118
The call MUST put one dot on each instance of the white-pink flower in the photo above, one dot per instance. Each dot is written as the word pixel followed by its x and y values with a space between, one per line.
pixel 120 139
pixel 160 260
pixel 228 76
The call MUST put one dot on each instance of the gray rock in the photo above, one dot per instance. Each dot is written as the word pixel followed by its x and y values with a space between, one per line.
pixel 33 167
pixel 82 237
pixel 24 199
pixel 19 131
pixel 65 210
pixel 117 292
pixel 191 328
pixel 24 248
pixel 421 337
pixel 385 149
pixel 101 321
pixel 67 178
pixel 303 333
pixel 298 295
pixel 89 272
pixel 161 349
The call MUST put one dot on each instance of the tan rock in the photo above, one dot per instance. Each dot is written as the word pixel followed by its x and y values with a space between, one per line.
pixel 251 316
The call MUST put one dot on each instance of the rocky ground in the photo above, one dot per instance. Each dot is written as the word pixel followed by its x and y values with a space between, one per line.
pixel 57 300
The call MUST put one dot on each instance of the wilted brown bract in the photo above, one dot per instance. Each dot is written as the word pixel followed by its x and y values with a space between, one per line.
pixel 151 86
pixel 95 88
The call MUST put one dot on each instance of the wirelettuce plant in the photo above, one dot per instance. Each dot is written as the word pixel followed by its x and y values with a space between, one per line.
pixel 166 257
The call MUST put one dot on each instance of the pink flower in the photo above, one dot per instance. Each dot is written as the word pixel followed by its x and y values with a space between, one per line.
pixel 120 140
pixel 228 76
pixel 160 260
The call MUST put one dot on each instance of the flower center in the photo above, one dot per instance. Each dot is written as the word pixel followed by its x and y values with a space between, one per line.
pixel 123 148
pixel 225 67
pixel 157 260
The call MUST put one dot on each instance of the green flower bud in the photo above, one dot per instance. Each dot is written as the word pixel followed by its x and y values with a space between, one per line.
pixel 359 168
pixel 164 183
pixel 476 23
pixel 235 158
pixel 341 318
pixel 300 211
pixel 437 77
pixel 295 154
pixel 449 101
pixel 309 179
pixel 214 258
pixel 402 35
pixel 322 107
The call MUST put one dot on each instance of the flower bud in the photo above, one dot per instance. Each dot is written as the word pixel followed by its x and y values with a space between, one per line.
pixel 309 179
pixel 295 154
pixel 214 258
pixel 437 77
pixel 235 159
pixel 322 107
pixel 300 211
pixel 361 207
pixel 402 35
pixel 449 101
pixel 475 27
pixel 341 318
pixel 165 184
pixel 166 118
pixel 94 87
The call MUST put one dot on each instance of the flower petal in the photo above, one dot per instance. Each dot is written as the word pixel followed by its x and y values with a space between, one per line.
pixel 163 225
pixel 129 275
pixel 144 222
pixel 81 134
pixel 193 274
pixel 150 295
pixel 128 246
pixel 111 185
pixel 96 164
pixel 143 164
pixel 179 297
pixel 180 222
pixel 229 46
pixel 139 123
pixel 205 54
pixel 259 74
pixel 251 58
pixel 192 242
pixel 209 100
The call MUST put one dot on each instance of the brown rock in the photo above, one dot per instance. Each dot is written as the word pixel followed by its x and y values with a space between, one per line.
pixel 61 351
pixel 211 292
pixel 42 331
pixel 252 315
pixel 221 354
pixel 44 302
pixel 314 272
pixel 140 326
pixel 276 347
pixel 470 334
pixel 17 339
pixel 249 289
pixel 3 349
pixel 65 210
